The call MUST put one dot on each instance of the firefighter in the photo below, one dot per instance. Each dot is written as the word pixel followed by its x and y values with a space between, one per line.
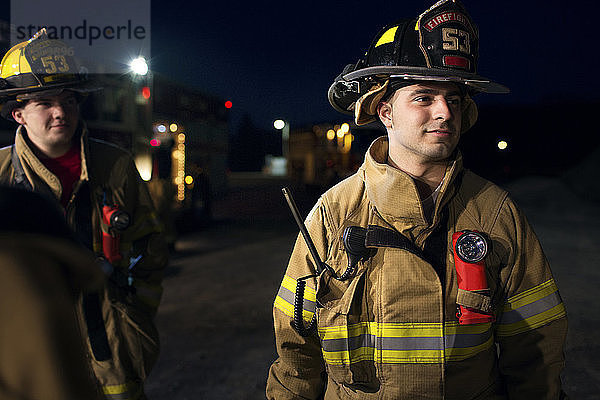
pixel 104 200
pixel 433 285
pixel 42 353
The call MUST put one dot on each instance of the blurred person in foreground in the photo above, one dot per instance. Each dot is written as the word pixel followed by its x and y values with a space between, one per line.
pixel 433 285
pixel 104 200
pixel 43 271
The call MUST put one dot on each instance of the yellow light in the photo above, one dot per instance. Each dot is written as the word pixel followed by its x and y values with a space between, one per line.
pixel 181 138
pixel 340 134
pixel 347 143
pixel 189 180
pixel 330 134
pixel 345 128
pixel 502 145
pixel 173 127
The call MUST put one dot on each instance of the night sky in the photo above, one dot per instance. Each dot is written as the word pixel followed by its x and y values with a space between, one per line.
pixel 277 59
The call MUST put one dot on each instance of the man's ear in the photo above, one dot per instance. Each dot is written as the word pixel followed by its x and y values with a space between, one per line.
pixel 17 115
pixel 384 111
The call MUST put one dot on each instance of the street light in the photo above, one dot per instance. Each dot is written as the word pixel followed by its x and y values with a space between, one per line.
pixel 139 66
pixel 280 124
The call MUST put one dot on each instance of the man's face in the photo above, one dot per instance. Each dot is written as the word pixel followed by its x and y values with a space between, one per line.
pixel 423 122
pixel 50 121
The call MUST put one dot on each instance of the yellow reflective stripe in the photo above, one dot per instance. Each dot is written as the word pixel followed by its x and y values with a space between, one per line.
pixel 124 391
pixel 347 357
pixel 290 284
pixel 411 329
pixel 531 309
pixel 531 295
pixel 115 389
pixel 285 299
pixel 404 342
pixel 534 322
pixel 387 37
pixel 411 356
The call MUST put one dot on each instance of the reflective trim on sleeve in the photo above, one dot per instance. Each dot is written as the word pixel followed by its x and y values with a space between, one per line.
pixel 531 309
pixel 403 343
pixel 125 391
pixel 285 299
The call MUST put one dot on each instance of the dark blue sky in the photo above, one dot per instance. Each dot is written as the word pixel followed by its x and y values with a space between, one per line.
pixel 277 59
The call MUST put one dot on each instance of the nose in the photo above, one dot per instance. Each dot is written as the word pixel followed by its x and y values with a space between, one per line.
pixel 442 109
pixel 58 111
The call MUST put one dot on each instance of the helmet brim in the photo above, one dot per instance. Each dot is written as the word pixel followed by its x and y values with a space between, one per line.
pixel 36 91
pixel 19 96
pixel 473 81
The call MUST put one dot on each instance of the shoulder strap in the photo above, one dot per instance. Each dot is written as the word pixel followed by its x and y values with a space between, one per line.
pixel 20 179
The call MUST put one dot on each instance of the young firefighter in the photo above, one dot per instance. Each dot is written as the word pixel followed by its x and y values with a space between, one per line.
pixel 105 202
pixel 433 284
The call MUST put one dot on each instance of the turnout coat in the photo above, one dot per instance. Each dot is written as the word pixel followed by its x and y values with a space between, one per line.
pixel 123 308
pixel 391 331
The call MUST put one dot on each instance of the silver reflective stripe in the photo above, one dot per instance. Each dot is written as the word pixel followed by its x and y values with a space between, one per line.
pixel 352 343
pixel 406 343
pixel 529 310
pixel 463 340
pixel 289 296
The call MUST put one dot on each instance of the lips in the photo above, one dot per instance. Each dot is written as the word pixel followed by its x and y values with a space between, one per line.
pixel 440 132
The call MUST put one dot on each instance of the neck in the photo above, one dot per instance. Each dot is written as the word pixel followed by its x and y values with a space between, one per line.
pixel 427 175
pixel 51 152
pixel 44 150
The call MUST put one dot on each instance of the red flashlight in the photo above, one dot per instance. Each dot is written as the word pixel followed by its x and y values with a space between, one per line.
pixel 470 249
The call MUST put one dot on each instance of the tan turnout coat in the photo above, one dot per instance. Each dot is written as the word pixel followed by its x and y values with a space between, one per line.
pixel 128 317
pixel 391 330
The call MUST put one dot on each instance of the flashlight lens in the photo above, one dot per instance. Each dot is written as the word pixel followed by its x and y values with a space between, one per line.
pixel 471 247
pixel 119 220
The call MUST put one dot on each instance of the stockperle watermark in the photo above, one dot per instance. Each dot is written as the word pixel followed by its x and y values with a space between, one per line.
pixel 104 37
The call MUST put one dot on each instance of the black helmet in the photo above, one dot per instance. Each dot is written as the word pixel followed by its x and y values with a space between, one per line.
pixel 440 45
pixel 37 67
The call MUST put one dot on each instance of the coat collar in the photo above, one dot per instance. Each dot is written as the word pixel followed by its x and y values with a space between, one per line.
pixel 35 170
pixel 393 192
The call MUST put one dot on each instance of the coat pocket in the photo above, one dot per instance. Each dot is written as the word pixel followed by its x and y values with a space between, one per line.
pixel 346 342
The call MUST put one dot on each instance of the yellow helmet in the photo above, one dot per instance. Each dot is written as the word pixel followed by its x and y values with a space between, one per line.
pixel 37 67
pixel 40 64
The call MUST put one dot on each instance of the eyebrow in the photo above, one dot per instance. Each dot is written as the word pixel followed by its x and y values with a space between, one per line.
pixel 433 91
